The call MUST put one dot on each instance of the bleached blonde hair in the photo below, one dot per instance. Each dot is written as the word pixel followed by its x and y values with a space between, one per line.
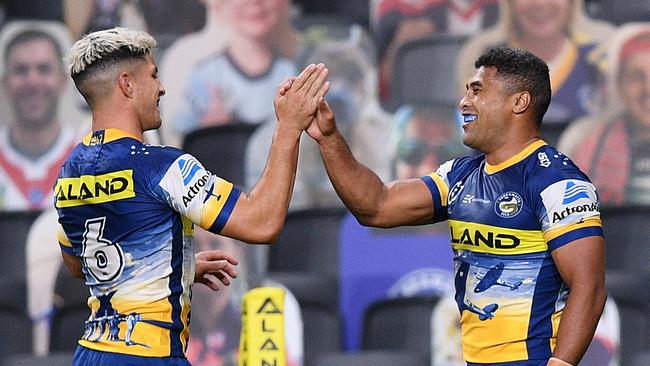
pixel 99 45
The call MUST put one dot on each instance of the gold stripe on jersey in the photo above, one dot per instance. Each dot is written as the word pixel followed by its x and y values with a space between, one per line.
pixel 442 187
pixel 494 239
pixel 555 323
pixel 556 232
pixel 188 226
pixel 110 134
pixel 215 203
pixel 500 339
pixel 523 154
pixel 62 237
pixel 94 189
pixel 148 340
pixel 185 317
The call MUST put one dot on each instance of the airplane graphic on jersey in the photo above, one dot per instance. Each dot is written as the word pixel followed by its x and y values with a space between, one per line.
pixel 485 313
pixel 491 278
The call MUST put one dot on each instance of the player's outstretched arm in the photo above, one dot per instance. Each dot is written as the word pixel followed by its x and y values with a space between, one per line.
pixel 259 216
pixel 373 203
pixel 582 266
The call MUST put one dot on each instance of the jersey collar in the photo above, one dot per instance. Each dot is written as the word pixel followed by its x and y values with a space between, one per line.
pixel 491 169
pixel 105 136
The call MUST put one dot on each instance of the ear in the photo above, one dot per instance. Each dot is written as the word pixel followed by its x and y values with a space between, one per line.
pixel 521 102
pixel 125 83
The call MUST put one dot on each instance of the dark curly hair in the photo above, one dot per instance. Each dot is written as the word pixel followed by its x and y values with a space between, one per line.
pixel 522 71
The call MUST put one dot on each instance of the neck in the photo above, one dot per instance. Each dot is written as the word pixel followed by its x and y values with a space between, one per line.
pixel 253 56
pixel 506 151
pixel 104 117
pixel 547 48
pixel 34 141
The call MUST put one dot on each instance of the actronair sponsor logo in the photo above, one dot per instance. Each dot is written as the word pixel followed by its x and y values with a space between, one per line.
pixel 574 192
pixel 188 168
pixel 558 216
pixel 195 189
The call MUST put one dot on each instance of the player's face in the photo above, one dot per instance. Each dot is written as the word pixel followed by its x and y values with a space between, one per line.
pixel 485 111
pixel 147 95
pixel 256 18
pixel 33 81
pixel 541 19
pixel 634 85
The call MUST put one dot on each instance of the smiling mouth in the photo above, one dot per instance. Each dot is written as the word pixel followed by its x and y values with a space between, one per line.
pixel 469 118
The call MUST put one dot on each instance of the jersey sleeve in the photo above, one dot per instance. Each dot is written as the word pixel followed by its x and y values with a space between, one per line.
pixel 438 184
pixel 64 242
pixel 569 211
pixel 194 192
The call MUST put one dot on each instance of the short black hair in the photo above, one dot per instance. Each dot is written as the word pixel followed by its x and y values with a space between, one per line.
pixel 32 35
pixel 523 71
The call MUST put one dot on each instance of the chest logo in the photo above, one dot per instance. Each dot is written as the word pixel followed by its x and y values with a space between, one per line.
pixel 508 204
pixel 544 160
pixel 455 190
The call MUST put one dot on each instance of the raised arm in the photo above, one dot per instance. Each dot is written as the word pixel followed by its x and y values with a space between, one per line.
pixel 259 216
pixel 373 203
pixel 582 266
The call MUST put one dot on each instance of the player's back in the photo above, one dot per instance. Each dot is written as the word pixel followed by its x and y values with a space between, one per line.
pixel 138 263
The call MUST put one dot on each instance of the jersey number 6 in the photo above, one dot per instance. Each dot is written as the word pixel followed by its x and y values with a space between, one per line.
pixel 103 258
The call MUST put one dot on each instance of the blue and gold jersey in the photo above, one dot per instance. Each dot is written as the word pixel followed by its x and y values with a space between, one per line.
pixel 127 210
pixel 504 222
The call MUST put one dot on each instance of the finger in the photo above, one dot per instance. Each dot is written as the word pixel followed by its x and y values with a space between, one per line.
pixel 318 82
pixel 214 255
pixel 304 75
pixel 286 85
pixel 211 284
pixel 223 278
pixel 214 266
pixel 230 271
pixel 320 96
pixel 326 110
pixel 312 79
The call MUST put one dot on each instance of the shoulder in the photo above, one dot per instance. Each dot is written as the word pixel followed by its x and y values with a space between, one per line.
pixel 452 169
pixel 159 156
pixel 152 160
pixel 547 167
pixel 466 163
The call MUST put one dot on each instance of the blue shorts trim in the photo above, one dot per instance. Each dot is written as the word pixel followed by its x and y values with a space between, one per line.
pixel 88 357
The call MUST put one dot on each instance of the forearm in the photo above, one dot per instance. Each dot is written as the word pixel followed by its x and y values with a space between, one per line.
pixel 271 195
pixel 579 320
pixel 359 188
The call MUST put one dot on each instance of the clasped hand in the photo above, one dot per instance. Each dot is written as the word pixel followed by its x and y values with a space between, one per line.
pixel 300 102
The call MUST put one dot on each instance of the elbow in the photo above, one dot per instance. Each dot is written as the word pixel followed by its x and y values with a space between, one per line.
pixel 371 221
pixel 267 233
